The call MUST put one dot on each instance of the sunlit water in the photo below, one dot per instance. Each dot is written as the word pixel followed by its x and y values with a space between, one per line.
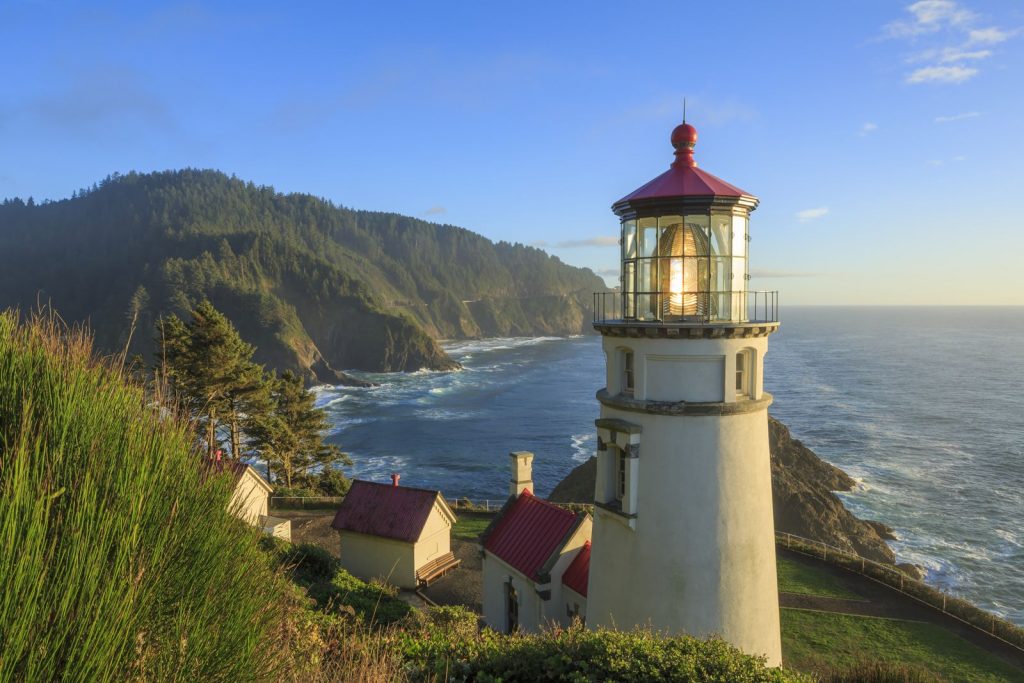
pixel 924 406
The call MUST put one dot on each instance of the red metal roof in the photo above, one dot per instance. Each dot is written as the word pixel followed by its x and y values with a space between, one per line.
pixel 529 532
pixel 684 179
pixel 578 572
pixel 386 510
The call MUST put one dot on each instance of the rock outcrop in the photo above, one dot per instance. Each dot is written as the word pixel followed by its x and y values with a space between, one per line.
pixel 803 488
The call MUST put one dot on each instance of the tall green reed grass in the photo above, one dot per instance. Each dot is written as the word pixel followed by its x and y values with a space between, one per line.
pixel 117 561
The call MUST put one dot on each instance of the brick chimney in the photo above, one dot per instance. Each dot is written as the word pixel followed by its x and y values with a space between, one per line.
pixel 522 472
pixel 394 478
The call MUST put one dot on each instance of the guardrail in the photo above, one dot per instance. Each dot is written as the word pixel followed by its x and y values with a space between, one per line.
pixel 892 577
pixel 691 308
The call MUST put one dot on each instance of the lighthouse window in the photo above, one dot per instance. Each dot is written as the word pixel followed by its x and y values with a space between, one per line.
pixel 742 372
pixel 628 376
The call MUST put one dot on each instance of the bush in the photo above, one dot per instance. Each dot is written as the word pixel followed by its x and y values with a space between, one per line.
pixel 119 558
pixel 578 654
pixel 372 602
pixel 309 562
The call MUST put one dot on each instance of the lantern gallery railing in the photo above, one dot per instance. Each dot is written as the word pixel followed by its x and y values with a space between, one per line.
pixel 686 308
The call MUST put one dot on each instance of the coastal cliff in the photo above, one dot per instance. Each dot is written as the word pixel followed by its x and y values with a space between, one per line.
pixel 314 286
pixel 803 488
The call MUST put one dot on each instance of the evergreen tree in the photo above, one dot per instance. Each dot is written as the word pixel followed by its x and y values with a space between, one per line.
pixel 210 368
pixel 291 436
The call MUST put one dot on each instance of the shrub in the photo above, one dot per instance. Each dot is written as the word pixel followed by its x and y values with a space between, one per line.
pixel 373 602
pixel 309 562
pixel 578 654
pixel 119 561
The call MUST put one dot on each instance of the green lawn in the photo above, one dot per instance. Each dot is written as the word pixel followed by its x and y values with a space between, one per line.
pixel 815 641
pixel 795 577
pixel 471 525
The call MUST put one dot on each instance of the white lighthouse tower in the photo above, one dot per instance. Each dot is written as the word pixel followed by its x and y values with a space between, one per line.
pixel 683 537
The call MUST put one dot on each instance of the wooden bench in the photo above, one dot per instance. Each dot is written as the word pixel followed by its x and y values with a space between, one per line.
pixel 436 568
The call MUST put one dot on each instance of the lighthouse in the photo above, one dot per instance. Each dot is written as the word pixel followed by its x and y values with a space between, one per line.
pixel 683 535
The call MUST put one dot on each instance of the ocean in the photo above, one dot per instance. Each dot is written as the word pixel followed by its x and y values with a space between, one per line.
pixel 923 406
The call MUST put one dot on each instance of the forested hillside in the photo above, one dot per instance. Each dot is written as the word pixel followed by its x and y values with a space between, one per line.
pixel 312 285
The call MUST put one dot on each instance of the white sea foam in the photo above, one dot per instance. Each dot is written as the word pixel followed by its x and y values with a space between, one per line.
pixel 582 446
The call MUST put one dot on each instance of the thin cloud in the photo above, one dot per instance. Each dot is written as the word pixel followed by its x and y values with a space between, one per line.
pixel 435 210
pixel 811 214
pixel 954 55
pixel 929 16
pixel 591 242
pixel 867 129
pixel 955 41
pixel 99 99
pixel 988 36
pixel 942 74
pixel 958 117
pixel 608 272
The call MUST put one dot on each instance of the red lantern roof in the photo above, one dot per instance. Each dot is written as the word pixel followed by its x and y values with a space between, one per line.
pixel 683 178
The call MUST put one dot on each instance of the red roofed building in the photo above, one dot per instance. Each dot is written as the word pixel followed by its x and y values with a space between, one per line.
pixel 526 551
pixel 574 583
pixel 399 534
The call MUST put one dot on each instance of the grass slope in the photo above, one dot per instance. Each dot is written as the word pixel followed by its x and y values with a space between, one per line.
pixel 117 560
pixel 817 641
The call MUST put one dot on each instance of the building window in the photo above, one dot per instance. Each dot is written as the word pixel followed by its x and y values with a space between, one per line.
pixel 742 373
pixel 512 608
pixel 620 475
pixel 628 374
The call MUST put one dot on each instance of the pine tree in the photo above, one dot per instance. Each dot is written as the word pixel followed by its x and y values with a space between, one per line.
pixel 211 370
pixel 291 437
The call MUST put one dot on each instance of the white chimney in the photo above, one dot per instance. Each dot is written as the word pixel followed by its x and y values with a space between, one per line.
pixel 522 472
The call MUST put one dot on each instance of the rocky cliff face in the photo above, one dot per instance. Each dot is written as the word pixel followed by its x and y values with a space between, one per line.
pixel 802 491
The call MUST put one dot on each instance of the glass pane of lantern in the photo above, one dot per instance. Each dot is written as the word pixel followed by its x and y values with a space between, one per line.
pixel 739 273
pixel 696 243
pixel 648 236
pixel 647 276
pixel 628 273
pixel 628 239
pixel 721 274
pixel 670 232
pixel 739 235
pixel 721 234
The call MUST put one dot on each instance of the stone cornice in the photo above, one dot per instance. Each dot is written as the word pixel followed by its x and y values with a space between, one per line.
pixel 620 328
pixel 683 407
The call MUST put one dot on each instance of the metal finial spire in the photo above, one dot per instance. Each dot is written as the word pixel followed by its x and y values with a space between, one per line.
pixel 684 110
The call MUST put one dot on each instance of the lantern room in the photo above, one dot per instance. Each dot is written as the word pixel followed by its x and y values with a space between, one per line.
pixel 684 247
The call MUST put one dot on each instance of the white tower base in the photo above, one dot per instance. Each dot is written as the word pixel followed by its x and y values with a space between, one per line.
pixel 683 538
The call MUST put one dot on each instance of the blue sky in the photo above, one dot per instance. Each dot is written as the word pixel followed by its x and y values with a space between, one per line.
pixel 884 139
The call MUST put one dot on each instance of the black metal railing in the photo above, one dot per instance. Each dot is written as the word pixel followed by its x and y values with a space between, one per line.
pixel 689 308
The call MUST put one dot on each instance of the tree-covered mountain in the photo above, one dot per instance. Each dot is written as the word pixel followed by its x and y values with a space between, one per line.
pixel 312 285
